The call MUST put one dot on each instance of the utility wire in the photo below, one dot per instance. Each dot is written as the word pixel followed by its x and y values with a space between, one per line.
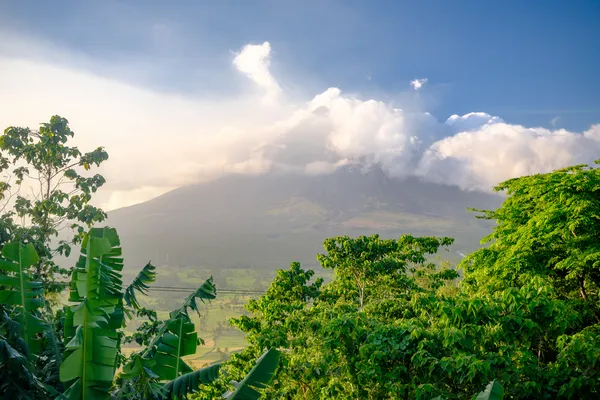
pixel 181 289
pixel 191 289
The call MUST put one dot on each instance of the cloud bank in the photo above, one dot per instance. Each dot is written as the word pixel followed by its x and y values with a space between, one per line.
pixel 160 141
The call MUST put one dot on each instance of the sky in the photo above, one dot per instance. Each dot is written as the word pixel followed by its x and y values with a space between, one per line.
pixel 467 93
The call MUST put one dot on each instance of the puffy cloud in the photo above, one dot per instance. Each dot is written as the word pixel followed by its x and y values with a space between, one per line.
pixel 418 83
pixel 471 121
pixel 253 61
pixel 483 157
pixel 159 141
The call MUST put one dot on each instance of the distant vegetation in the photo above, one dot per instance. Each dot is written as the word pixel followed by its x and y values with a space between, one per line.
pixel 518 318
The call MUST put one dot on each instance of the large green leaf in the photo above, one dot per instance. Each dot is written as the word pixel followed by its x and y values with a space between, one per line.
pixel 140 284
pixel 190 382
pixel 179 340
pixel 137 381
pixel 21 292
pixel 260 376
pixel 493 391
pixel 207 291
pixel 16 380
pixel 90 357
pixel 176 336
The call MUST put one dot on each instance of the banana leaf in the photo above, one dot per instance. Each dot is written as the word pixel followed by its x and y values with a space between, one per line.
pixel 493 391
pixel 187 384
pixel 259 378
pixel 179 340
pixel 140 284
pixel 90 354
pixel 21 291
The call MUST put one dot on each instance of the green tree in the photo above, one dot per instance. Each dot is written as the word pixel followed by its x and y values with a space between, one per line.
pixel 410 339
pixel 371 266
pixel 548 227
pixel 46 183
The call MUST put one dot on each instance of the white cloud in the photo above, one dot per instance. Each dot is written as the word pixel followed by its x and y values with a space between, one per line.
pixel 554 121
pixel 483 157
pixel 254 61
pixel 471 121
pixel 418 83
pixel 160 141
pixel 154 140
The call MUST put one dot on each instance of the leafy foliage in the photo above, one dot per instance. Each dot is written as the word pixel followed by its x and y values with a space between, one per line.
pixel 258 378
pixel 43 164
pixel 91 352
pixel 16 379
pixel 91 333
pixel 22 292
pixel 548 227
pixel 178 340
pixel 140 284
pixel 186 384
pixel 412 341
pixel 493 391
pixel 361 264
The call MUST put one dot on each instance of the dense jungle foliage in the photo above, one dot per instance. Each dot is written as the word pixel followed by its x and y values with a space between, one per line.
pixel 517 319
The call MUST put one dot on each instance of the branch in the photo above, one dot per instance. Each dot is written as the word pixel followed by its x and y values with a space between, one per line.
pixel 582 291
pixel 60 182
pixel 36 197
pixel 63 169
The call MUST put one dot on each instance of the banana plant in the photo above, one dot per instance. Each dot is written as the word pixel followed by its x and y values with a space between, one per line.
pixel 18 378
pixel 176 336
pixel 180 339
pixel 187 384
pixel 259 378
pixel 91 324
pixel 91 331
pixel 493 391
pixel 140 284
pixel 159 370
pixel 25 295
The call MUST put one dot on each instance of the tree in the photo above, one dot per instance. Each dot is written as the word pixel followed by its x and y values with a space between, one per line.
pixel 411 339
pixel 49 191
pixel 547 227
pixel 360 264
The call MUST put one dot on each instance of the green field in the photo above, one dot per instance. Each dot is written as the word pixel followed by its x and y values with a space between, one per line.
pixel 213 323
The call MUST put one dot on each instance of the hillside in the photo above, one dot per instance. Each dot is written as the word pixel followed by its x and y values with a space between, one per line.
pixel 264 222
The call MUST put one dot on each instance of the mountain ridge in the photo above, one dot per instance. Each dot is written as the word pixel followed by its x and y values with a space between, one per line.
pixel 267 221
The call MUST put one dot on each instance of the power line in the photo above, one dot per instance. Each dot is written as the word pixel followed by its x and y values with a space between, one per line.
pixel 180 289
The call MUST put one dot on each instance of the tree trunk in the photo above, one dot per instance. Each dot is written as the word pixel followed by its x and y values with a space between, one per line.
pixel 582 288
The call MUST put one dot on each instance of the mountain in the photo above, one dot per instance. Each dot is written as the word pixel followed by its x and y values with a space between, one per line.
pixel 267 221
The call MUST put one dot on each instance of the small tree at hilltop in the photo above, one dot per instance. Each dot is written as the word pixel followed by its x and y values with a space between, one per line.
pixel 44 179
pixel 368 265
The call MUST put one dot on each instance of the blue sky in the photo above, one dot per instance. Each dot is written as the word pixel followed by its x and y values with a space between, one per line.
pixel 528 61
pixel 186 91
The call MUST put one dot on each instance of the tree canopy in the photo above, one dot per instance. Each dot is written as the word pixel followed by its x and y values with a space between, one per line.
pixel 393 325
pixel 46 189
